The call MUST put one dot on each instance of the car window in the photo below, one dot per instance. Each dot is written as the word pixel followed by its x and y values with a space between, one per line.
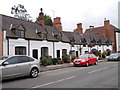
pixel 23 59
pixel 30 59
pixel 94 56
pixel 12 60
pixel 83 56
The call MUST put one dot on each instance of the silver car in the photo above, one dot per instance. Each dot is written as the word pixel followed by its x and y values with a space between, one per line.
pixel 19 65
pixel 114 56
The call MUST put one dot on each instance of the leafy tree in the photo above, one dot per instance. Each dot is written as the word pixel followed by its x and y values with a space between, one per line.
pixel 47 20
pixel 20 12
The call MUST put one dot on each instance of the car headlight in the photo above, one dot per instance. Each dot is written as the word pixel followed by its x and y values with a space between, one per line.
pixel 83 60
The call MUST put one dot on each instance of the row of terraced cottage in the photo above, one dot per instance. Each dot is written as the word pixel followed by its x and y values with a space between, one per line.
pixel 19 37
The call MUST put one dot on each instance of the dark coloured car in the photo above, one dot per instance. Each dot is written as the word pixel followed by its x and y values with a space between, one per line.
pixel 114 57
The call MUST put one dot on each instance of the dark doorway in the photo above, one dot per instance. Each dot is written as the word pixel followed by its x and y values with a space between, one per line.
pixel 35 53
pixel 58 53
pixel 76 53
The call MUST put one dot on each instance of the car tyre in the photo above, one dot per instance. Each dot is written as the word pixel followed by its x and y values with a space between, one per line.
pixel 87 64
pixel 34 73
pixel 96 62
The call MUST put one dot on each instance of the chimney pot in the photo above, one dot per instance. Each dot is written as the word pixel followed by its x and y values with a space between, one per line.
pixel 79 28
pixel 57 23
pixel 106 22
pixel 41 17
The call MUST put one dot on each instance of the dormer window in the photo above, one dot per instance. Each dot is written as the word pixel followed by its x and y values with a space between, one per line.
pixel 18 30
pixel 21 34
pixel 42 34
pixel 57 36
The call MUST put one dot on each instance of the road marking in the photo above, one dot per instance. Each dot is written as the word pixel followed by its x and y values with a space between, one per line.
pixel 98 70
pixel 52 82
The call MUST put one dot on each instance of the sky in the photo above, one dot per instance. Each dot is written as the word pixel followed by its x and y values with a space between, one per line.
pixel 87 12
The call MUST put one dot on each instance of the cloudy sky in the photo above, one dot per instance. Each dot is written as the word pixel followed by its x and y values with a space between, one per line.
pixel 87 12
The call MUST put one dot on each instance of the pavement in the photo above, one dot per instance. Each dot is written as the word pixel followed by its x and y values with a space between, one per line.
pixel 60 66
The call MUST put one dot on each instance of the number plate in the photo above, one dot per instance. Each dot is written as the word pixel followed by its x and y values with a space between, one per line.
pixel 77 62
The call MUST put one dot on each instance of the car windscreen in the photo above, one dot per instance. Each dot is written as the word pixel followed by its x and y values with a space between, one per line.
pixel 83 56
pixel 114 54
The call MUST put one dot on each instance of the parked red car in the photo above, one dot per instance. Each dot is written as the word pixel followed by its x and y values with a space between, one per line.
pixel 86 60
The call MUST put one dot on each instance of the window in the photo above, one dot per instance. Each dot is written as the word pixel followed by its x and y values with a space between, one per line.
pixel 20 50
pixel 84 45
pixel 12 60
pixel 21 33
pixel 23 59
pixel 44 51
pixel 35 53
pixel 64 52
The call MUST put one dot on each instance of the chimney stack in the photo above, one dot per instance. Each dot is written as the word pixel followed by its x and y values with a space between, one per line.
pixel 79 28
pixel 41 17
pixel 106 22
pixel 57 23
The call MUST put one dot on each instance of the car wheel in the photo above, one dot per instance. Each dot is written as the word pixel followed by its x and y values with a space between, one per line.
pixel 87 64
pixel 96 62
pixel 118 58
pixel 34 72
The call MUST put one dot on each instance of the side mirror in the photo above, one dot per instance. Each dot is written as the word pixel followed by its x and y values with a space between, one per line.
pixel 5 63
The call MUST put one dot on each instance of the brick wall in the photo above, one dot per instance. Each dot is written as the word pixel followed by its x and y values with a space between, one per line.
pixel 57 23
pixel 1 43
pixel 110 34
pixel 79 28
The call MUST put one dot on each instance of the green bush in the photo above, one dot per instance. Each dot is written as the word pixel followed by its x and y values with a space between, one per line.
pixel 101 58
pixel 65 58
pixel 60 61
pixel 73 57
pixel 69 61
pixel 46 60
pixel 50 62
pixel 55 60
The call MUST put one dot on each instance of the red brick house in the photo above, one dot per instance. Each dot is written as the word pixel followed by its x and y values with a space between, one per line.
pixel 108 31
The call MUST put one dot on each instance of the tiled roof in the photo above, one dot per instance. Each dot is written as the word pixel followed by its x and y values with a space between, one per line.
pixel 96 30
pixel 116 29
pixel 53 34
pixel 31 29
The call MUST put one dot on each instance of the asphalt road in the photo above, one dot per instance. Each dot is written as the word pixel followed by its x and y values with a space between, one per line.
pixel 103 75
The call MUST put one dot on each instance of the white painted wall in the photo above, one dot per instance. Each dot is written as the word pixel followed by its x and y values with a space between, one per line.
pixel 60 46
pixel 5 45
pixel 108 47
pixel 38 45
pixel 19 42
pixel 118 41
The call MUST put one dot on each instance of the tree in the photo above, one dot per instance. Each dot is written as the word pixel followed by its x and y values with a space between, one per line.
pixel 47 20
pixel 20 12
